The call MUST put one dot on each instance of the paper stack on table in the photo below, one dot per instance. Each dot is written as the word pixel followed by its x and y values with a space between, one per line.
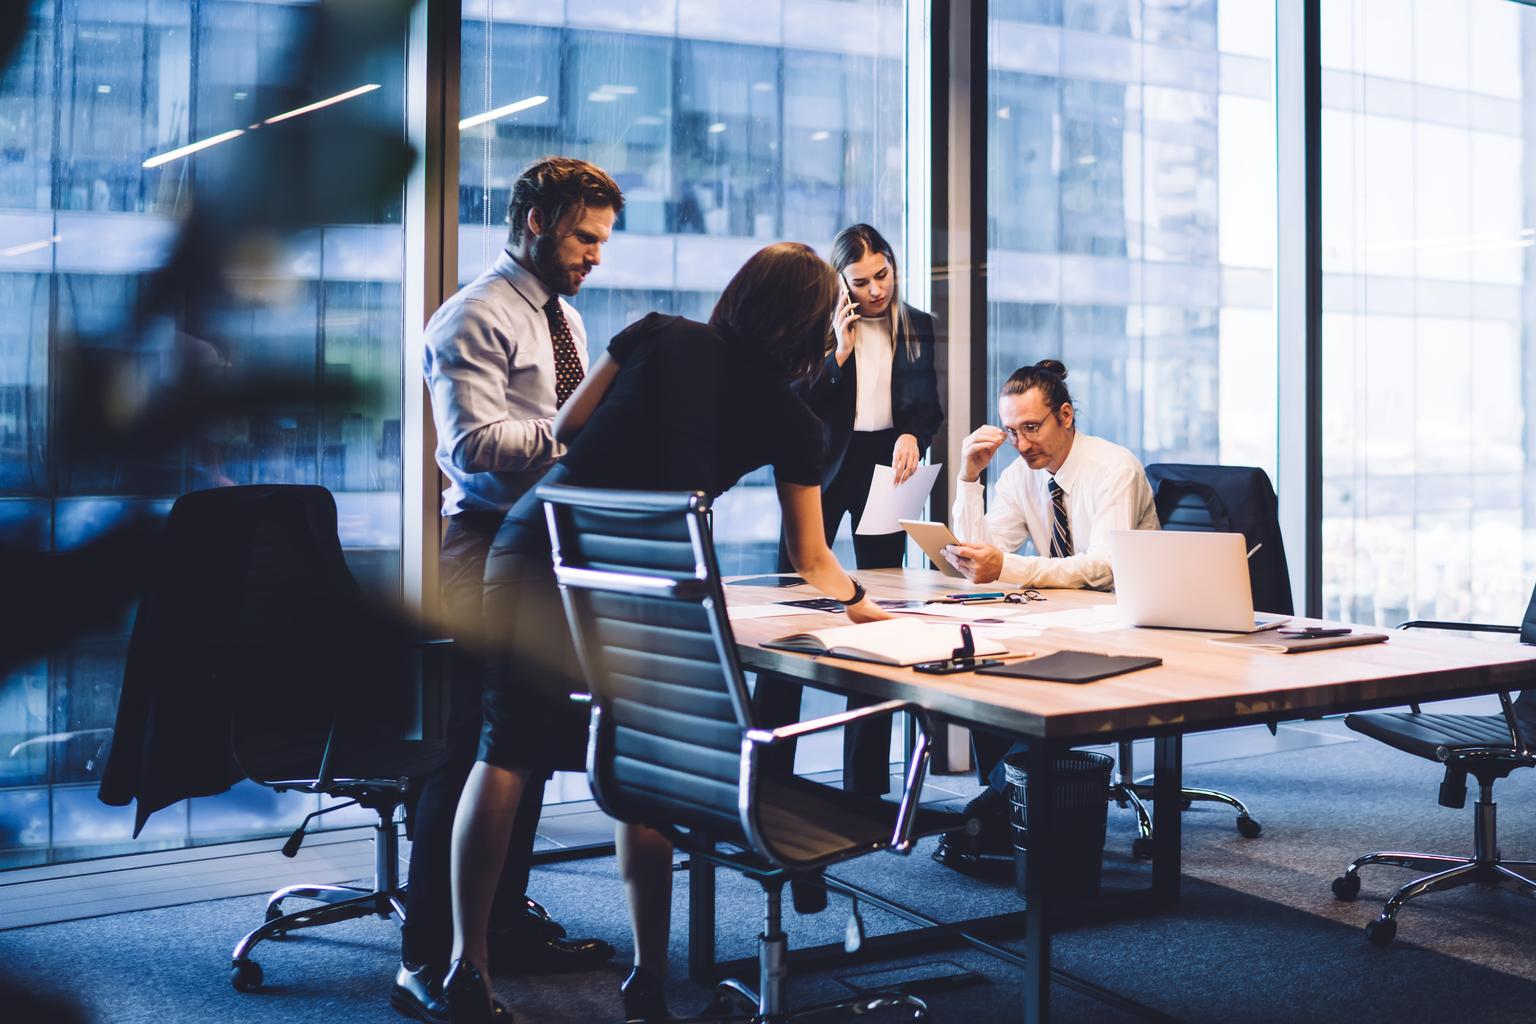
pixel 889 501
pixel 1099 619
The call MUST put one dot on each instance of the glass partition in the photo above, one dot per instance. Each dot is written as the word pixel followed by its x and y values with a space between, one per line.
pixel 1428 199
pixel 101 114
pixel 727 126
pixel 1131 202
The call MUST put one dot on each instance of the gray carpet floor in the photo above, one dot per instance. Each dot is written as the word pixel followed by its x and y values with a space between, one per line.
pixel 1256 937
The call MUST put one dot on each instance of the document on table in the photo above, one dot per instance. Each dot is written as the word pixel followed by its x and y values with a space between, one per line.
pixel 994 620
pixel 889 501
pixel 739 612
pixel 989 612
pixel 1097 619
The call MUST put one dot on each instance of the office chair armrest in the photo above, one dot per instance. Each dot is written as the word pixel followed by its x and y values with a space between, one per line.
pixel 1462 627
pixel 917 765
pixel 768 737
pixel 1472 627
pixel 1445 754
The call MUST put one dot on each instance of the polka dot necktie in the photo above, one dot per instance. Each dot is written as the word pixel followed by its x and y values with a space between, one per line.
pixel 1061 533
pixel 568 371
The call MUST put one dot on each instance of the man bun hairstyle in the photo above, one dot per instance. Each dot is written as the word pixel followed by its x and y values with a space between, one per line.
pixel 1049 375
pixel 555 186
pixel 781 300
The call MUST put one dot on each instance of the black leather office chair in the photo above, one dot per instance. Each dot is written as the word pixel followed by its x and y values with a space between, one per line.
pixel 1213 499
pixel 673 741
pixel 254 654
pixel 1487 747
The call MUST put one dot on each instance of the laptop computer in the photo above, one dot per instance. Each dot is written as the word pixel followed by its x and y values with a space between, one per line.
pixel 1177 580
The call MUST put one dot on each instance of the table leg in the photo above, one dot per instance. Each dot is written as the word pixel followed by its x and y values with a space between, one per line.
pixel 1167 817
pixel 1040 763
pixel 701 922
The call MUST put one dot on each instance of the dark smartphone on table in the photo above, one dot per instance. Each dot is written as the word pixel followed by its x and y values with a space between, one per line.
pixel 949 666
pixel 1313 632
pixel 820 604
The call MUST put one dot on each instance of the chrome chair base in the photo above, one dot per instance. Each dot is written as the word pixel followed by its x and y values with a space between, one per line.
pixel 1126 791
pixel 1484 867
pixel 731 993
pixel 766 1005
pixel 335 903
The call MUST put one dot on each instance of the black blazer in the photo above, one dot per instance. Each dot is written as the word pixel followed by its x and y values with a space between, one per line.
pixel 915 407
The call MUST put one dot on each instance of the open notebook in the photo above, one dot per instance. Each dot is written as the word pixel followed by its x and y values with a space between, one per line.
pixel 889 642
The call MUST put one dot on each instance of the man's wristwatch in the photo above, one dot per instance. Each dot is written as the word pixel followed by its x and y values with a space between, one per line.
pixel 858 593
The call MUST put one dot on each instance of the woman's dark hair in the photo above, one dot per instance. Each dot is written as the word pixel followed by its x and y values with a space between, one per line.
pixel 853 244
pixel 781 300
pixel 556 185
pixel 1049 375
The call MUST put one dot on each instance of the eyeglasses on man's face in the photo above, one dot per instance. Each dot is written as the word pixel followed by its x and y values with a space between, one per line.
pixel 1029 430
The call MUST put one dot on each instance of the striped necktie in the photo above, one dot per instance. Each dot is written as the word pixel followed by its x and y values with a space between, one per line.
pixel 1061 533
pixel 568 371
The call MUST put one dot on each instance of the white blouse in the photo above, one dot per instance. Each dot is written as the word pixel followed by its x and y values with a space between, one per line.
pixel 874 353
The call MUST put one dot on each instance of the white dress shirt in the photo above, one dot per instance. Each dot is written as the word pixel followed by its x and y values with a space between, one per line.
pixel 873 354
pixel 490 366
pixel 1105 489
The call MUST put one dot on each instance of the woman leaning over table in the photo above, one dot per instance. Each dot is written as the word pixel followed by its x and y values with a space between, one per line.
pixel 673 405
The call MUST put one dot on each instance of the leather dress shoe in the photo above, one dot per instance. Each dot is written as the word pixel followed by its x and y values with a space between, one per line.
pixel 464 997
pixel 537 912
pixel 965 849
pixel 645 998
pixel 536 944
pixel 417 993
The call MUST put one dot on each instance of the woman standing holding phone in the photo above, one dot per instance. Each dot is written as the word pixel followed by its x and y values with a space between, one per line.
pixel 877 394
pixel 878 400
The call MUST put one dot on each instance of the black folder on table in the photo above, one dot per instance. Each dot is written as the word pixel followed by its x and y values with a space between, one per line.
pixel 1071 667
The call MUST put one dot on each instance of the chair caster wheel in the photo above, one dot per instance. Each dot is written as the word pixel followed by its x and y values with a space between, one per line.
pixel 1249 828
pixel 1381 933
pixel 1346 887
pixel 1141 847
pixel 245 975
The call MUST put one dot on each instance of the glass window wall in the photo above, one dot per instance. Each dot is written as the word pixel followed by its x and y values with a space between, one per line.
pixel 1131 201
pixel 1427 154
pixel 93 110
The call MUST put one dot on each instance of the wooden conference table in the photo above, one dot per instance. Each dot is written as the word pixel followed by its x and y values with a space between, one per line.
pixel 1199 686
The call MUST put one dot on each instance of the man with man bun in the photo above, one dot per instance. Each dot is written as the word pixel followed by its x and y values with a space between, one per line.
pixel 1064 494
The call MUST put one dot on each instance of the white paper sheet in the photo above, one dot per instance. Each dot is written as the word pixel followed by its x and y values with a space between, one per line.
pixel 765 611
pixel 1004 630
pixel 969 612
pixel 888 502
pixel 1098 619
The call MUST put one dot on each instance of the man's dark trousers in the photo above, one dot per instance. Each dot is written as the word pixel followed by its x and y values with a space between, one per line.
pixel 427 936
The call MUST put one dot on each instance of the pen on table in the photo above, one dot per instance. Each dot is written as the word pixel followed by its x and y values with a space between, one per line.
pixel 962 598
pixel 1013 654
pixel 1254 548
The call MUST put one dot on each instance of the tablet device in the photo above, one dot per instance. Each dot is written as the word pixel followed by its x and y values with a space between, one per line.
pixel 932 538
pixel 771 580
